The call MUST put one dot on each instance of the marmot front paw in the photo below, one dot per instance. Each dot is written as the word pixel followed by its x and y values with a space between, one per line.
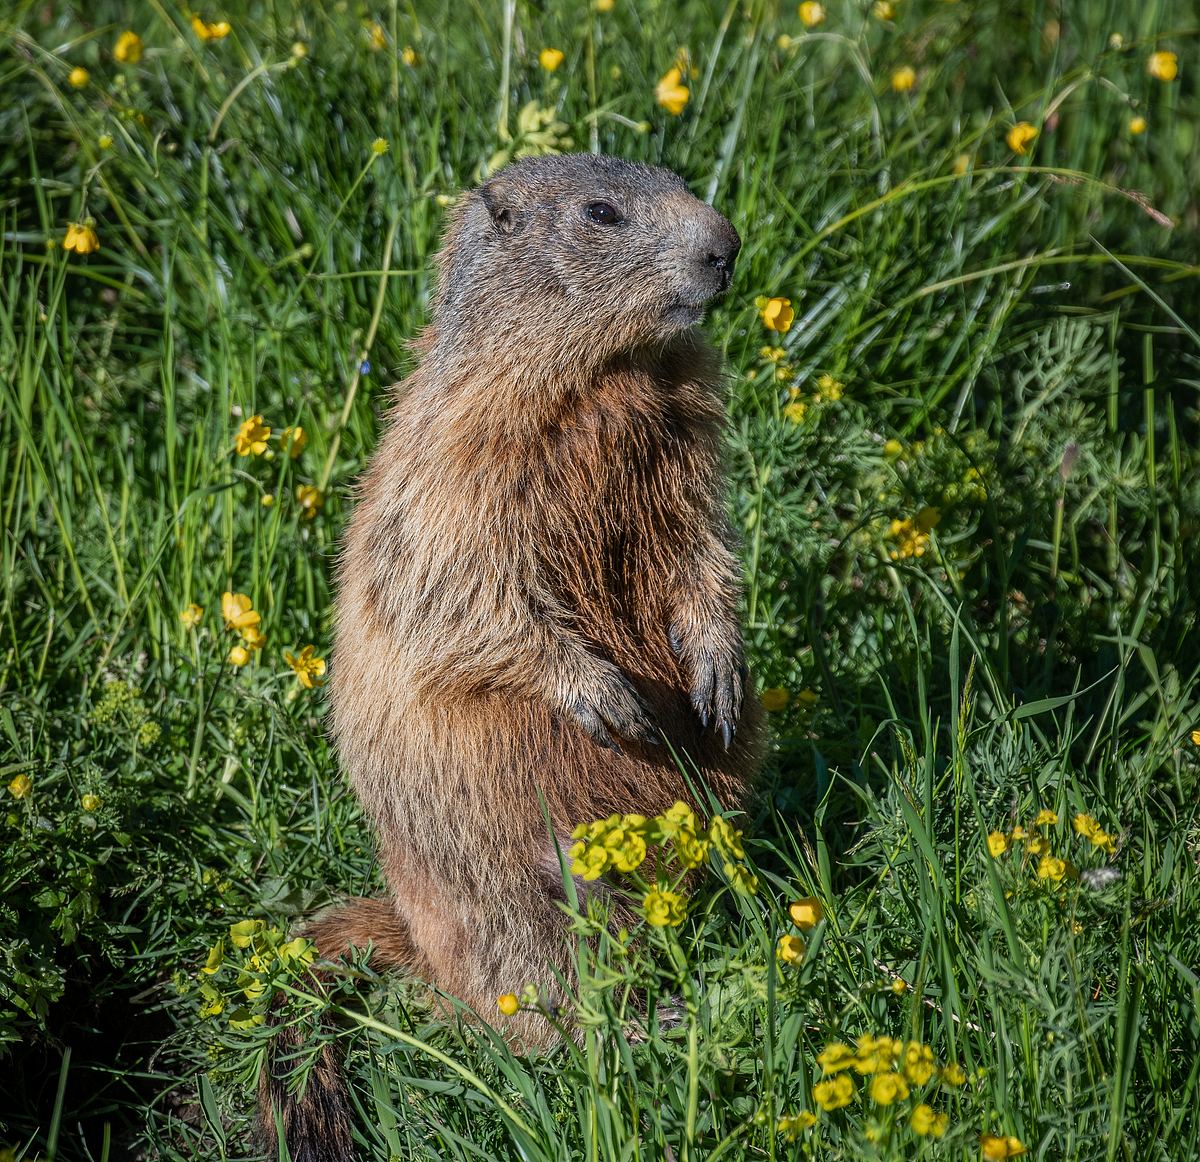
pixel 609 705
pixel 718 679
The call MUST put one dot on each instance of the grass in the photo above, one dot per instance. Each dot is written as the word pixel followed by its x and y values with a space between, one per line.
pixel 1010 340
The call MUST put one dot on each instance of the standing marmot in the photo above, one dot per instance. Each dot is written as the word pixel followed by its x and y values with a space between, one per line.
pixel 537 584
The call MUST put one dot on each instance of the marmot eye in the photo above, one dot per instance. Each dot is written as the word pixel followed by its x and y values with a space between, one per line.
pixel 602 213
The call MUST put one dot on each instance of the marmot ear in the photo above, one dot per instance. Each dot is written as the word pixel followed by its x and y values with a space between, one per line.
pixel 497 197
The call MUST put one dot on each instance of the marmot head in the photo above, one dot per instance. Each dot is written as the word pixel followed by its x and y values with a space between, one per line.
pixel 587 255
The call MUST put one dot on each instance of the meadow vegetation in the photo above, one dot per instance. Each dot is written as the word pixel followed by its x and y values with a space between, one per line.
pixel 964 920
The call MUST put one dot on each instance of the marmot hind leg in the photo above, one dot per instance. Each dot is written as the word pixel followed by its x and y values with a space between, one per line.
pixel 315 1120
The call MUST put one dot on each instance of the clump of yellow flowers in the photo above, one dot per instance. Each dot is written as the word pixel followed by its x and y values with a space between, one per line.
pixel 240 615
pixel 911 535
pixel 622 843
pixel 251 960
pixel 1049 869
pixel 891 1072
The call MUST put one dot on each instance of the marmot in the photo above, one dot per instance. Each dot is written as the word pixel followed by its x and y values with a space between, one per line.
pixel 537 589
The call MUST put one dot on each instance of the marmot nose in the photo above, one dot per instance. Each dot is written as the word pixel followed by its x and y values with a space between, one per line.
pixel 722 246
pixel 723 265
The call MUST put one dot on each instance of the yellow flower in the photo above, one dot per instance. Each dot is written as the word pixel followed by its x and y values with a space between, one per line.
pixel 105 141
pixel 1045 818
pixel 883 10
pixel 20 786
pixel 204 31
pixel 774 699
pixel 835 1092
pixel 811 14
pixel 918 1062
pixel 604 5
pixel 795 411
pixel 893 449
pixel 903 79
pixel 311 501
pixel 806 914
pixel 252 437
pixel 962 163
pixel 588 861
pixel 551 58
pixel 238 656
pixel 911 540
pixel 726 837
pixel 90 802
pixel 308 669
pixel 191 616
pixel 996 1149
pixel 1020 137
pixel 830 388
pixel 252 639
pixel 242 934
pixel 691 848
pixel 81 238
pixel 926 1122
pixel 300 950
pixel 1018 833
pixel 1039 845
pixel 128 49
pixel 791 1127
pixel 238 611
pixel 212 1003
pixel 408 55
pixel 78 77
pixel 299 50
pixel 790 949
pixel 1137 125
pixel 808 696
pixel 835 1057
pixel 742 879
pixel 777 314
pixel 1051 868
pixel 664 908
pixel 953 1074
pixel 670 92
pixel 216 957
pixel 508 1004
pixel 875 1054
pixel 887 1088
pixel 1085 825
pixel 376 36
pixel 1196 738
pixel 268 499
pixel 379 146
pixel 292 441
pixel 1163 66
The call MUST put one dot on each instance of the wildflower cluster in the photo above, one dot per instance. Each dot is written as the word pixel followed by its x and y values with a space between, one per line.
pixel 123 713
pixel 1049 868
pixel 806 914
pixel 243 969
pixel 622 843
pixel 911 535
pixel 242 618
pixel 540 131
pixel 889 1072
pixel 253 439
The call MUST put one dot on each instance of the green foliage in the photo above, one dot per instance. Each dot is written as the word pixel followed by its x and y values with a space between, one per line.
pixel 969 489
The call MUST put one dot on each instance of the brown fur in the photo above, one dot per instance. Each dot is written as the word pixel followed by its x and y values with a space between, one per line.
pixel 537 585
